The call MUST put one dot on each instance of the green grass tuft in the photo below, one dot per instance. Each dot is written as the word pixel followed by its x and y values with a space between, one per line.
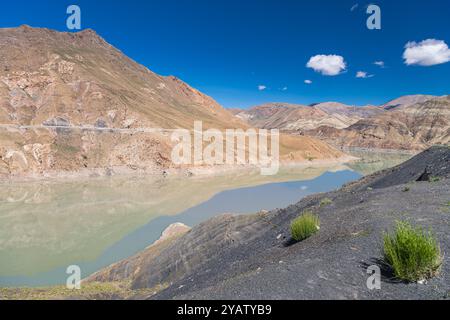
pixel 434 179
pixel 304 226
pixel 325 202
pixel 412 253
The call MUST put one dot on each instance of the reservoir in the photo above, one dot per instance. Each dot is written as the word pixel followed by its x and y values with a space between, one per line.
pixel 46 226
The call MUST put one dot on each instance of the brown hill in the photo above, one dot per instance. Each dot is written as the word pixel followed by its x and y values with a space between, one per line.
pixel 407 123
pixel 292 117
pixel 77 82
pixel 82 78
pixel 407 101
pixel 407 127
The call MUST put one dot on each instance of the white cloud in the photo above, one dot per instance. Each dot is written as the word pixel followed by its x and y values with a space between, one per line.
pixel 262 87
pixel 354 7
pixel 379 63
pixel 363 75
pixel 308 81
pixel 284 89
pixel 426 53
pixel 328 65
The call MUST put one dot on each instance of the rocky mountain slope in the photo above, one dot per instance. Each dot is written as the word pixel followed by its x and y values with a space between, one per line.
pixel 75 82
pixel 292 117
pixel 407 123
pixel 405 127
pixel 252 257
pixel 407 101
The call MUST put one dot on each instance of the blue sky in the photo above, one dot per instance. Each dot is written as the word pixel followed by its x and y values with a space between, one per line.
pixel 228 48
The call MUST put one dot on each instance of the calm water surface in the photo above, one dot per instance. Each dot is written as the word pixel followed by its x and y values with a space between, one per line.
pixel 47 226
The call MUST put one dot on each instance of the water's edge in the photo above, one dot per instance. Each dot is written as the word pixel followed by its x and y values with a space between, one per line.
pixel 98 222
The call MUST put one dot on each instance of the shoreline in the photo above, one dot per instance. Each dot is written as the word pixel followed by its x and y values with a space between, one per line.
pixel 384 197
pixel 376 150
pixel 223 171
pixel 202 175
pixel 126 171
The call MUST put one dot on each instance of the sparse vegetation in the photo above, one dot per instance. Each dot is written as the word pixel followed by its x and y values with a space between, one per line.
pixel 325 202
pixel 304 226
pixel 412 253
pixel 434 179
pixel 446 207
pixel 66 149
pixel 89 291
pixel 362 233
pixel 406 189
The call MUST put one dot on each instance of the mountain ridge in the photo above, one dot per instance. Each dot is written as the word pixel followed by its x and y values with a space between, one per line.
pixel 286 116
pixel 413 122
pixel 78 80
pixel 407 127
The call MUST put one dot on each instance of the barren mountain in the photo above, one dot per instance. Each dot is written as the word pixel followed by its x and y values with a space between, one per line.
pixel 407 101
pixel 407 123
pixel 292 117
pixel 336 108
pixel 406 127
pixel 92 96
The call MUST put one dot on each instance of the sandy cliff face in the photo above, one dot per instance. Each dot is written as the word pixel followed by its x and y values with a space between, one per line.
pixel 76 81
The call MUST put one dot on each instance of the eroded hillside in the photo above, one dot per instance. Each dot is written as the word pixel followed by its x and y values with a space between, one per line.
pixel 70 102
pixel 414 126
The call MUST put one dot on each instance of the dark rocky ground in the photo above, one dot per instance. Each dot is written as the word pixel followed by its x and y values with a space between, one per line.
pixel 232 257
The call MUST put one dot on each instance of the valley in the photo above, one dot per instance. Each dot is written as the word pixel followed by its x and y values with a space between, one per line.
pixel 88 177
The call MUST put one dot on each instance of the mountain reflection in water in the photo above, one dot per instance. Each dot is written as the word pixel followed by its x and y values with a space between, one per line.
pixel 47 226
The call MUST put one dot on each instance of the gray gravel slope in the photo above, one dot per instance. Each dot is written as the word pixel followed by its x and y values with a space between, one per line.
pixel 331 264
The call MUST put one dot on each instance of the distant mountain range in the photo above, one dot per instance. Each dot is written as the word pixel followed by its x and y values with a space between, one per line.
pixel 408 123
pixel 407 101
pixel 292 117
pixel 78 80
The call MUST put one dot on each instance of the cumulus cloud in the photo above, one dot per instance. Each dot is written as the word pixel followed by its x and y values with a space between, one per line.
pixel 328 65
pixel 262 87
pixel 426 53
pixel 379 63
pixel 308 81
pixel 363 75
